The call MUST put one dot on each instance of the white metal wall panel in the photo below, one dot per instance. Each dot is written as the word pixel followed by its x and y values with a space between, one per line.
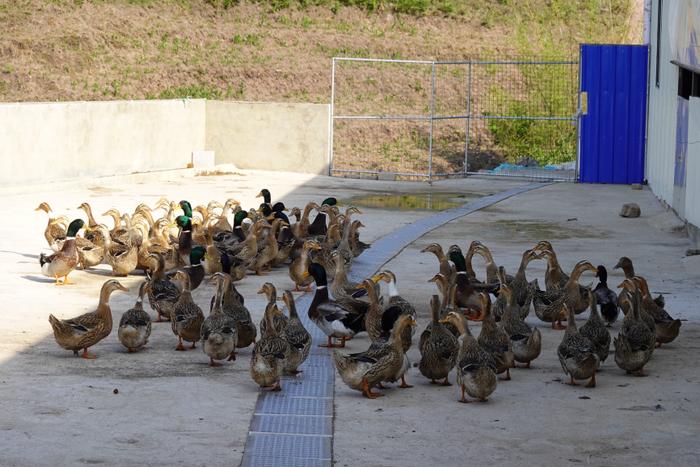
pixel 692 174
pixel 661 131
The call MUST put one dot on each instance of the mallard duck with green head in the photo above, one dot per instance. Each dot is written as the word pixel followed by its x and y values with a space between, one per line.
pixel 63 262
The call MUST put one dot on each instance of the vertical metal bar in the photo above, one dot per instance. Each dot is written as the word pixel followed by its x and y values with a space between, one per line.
pixel 432 115
pixel 578 117
pixel 469 118
pixel 331 123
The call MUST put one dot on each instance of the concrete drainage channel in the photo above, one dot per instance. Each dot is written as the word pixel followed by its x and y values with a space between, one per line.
pixel 295 427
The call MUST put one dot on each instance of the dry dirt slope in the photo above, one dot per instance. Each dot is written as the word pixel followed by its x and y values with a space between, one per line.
pixel 115 49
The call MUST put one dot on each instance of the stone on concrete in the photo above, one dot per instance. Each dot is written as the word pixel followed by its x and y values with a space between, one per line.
pixel 630 210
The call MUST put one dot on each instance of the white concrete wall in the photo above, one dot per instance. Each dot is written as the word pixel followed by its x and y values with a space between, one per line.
pixel 43 142
pixel 270 136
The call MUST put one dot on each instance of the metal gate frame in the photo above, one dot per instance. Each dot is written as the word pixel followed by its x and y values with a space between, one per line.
pixel 467 116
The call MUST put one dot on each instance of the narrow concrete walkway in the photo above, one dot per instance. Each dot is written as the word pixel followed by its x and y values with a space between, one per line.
pixel 295 427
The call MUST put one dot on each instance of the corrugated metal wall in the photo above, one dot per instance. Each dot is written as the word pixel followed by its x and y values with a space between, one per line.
pixel 692 169
pixel 612 130
pixel 663 118
pixel 661 124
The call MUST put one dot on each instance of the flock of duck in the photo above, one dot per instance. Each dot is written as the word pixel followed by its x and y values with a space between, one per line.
pixel 180 247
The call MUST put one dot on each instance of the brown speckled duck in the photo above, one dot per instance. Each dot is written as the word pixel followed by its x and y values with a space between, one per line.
pixel 88 329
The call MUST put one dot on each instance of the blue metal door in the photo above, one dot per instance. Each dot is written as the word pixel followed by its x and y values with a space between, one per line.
pixel 614 86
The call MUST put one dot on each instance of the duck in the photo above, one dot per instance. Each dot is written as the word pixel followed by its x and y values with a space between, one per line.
pixel 86 330
pixel 549 306
pixel 666 328
pixel 446 269
pixel 285 244
pixel 298 270
pixel 344 291
pixel 195 269
pixel 554 277
pixel 595 330
pixel 270 355
pixel 63 262
pixel 495 340
pixel 296 335
pixel 447 293
pixel 269 251
pixel 490 264
pixel 466 296
pixel 278 318
pixel 438 348
pixel 162 292
pixel 576 353
pixel 357 246
pixel 627 267
pixel 135 324
pixel 335 320
pixel 56 227
pixel 394 306
pixel 476 369
pixel 92 252
pixel 522 290
pixel 525 341
pixel 634 343
pixel 383 361
pixel 218 332
pixel 606 298
pixel 234 305
pixel 318 226
pixel 123 258
pixel 266 196
pixel 186 317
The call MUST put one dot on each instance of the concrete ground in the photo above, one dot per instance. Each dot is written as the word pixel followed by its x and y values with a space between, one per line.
pixel 535 419
pixel 172 409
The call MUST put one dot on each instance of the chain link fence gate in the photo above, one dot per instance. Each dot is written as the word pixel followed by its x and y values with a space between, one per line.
pixel 412 119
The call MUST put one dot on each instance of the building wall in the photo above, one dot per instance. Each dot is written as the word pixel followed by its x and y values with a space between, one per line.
pixel 271 136
pixel 692 173
pixel 661 123
pixel 44 142
pixel 663 111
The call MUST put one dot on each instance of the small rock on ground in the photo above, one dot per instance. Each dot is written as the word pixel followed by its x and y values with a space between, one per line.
pixel 630 210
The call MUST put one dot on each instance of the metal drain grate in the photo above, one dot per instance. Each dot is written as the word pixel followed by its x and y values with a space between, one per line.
pixel 294 427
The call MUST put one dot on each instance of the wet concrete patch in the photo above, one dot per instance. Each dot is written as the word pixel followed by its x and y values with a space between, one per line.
pixel 524 229
pixel 418 201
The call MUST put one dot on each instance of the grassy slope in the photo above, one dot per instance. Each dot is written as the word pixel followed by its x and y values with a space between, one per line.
pixel 57 50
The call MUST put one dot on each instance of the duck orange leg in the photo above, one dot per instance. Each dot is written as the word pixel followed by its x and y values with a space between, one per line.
pixel 572 382
pixel 180 347
pixel 330 344
pixel 403 384
pixel 87 355
pixel 277 387
pixel 367 391
pixel 193 346
pixel 66 281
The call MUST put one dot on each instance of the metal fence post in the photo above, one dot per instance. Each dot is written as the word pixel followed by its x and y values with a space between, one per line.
pixel 432 115
pixel 331 123
pixel 469 119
